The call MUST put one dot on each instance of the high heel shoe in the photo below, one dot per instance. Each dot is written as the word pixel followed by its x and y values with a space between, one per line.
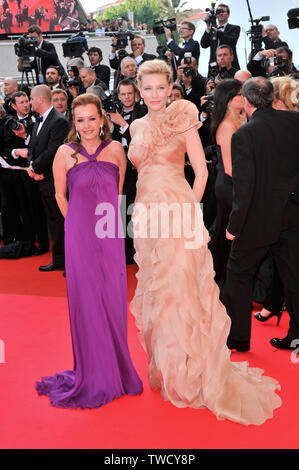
pixel 261 318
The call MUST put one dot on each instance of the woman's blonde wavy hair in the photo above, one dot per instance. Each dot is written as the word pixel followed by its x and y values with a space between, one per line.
pixel 286 89
pixel 154 66
pixel 83 100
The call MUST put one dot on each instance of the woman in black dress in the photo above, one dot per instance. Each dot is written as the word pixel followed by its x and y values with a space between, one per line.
pixel 226 118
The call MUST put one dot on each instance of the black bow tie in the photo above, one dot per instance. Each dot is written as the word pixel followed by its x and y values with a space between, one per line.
pixel 39 119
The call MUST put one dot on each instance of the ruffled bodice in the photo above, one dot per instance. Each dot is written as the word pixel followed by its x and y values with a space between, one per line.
pixel 162 139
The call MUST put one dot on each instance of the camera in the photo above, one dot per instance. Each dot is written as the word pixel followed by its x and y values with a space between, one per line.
pixel 122 38
pixel 161 51
pixel 212 15
pixel 278 60
pixel 75 46
pixel 281 66
pixel 159 25
pixel 255 32
pixel 15 125
pixel 25 47
pixel 188 71
pixel 111 103
pixel 293 18
pixel 213 72
pixel 188 58
pixel 208 106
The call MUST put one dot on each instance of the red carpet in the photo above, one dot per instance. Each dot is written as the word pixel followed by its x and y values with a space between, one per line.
pixel 34 327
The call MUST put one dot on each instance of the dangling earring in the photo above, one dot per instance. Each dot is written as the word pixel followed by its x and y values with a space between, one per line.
pixel 102 134
pixel 78 138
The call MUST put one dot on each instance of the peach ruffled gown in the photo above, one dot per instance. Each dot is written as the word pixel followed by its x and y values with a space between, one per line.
pixel 183 325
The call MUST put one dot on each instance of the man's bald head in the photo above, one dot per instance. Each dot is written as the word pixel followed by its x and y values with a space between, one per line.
pixel 10 86
pixel 242 75
pixel 43 91
pixel 41 98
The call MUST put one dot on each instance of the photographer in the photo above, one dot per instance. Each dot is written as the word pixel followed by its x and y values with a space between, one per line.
pixel 19 193
pixel 272 63
pixel 10 86
pixel 138 54
pixel 46 54
pixel 102 71
pixel 223 33
pixel 270 37
pixel 187 31
pixel 225 69
pixel 53 77
pixel 88 78
pixel 73 83
pixel 127 69
pixel 60 102
pixel 192 82
pixel 131 110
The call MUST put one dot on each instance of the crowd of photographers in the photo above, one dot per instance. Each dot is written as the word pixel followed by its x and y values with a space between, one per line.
pixel 26 212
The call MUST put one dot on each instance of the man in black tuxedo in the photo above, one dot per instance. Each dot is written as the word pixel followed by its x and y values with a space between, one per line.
pixel 127 94
pixel 46 54
pixel 22 193
pixel 102 71
pixel 187 31
pixel 48 134
pixel 192 82
pixel 138 54
pixel 226 33
pixel 265 210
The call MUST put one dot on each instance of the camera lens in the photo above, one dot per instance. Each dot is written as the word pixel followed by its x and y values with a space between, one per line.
pixel 14 125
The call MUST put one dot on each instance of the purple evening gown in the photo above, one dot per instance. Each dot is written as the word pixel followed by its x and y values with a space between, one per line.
pixel 97 295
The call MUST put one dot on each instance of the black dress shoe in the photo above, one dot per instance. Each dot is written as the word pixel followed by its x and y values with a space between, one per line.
pixel 282 343
pixel 240 346
pixel 52 267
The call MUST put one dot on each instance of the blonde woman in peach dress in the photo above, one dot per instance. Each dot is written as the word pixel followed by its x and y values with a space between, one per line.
pixel 183 325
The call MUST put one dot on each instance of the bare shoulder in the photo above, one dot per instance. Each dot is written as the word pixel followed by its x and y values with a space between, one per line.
pixel 225 129
pixel 117 152
pixel 115 147
pixel 64 152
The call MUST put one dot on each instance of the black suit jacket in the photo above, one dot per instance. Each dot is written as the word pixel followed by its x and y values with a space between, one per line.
pixel 230 37
pixel 269 44
pixel 189 46
pixel 265 173
pixel 115 63
pixel 198 90
pixel 138 112
pixel 103 73
pixel 48 56
pixel 43 147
